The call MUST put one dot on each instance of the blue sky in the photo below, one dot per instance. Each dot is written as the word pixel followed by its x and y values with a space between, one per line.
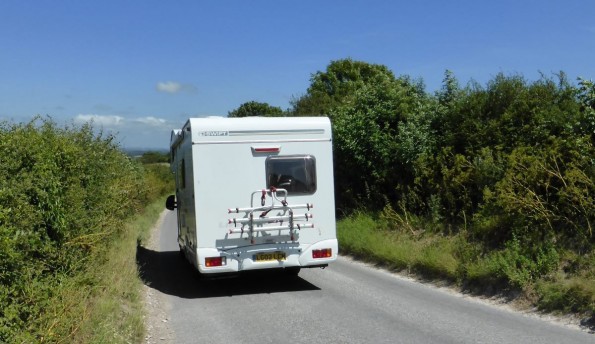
pixel 141 68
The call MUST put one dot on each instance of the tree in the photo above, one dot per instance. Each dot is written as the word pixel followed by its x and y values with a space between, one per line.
pixel 253 108
pixel 338 84
pixel 586 97
pixel 377 136
pixel 153 157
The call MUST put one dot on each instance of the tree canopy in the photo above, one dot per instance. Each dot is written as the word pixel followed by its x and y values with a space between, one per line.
pixel 337 84
pixel 254 108
pixel 509 159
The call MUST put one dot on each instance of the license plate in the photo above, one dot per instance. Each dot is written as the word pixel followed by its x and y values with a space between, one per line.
pixel 269 256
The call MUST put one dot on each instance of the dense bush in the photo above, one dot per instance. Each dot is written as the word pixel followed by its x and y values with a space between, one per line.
pixel 368 157
pixel 159 179
pixel 510 164
pixel 64 192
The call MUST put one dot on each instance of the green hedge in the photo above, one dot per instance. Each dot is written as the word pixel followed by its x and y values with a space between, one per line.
pixel 64 192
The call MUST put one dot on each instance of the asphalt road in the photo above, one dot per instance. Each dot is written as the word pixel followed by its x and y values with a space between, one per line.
pixel 348 302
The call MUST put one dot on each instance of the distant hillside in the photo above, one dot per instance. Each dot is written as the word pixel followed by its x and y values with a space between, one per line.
pixel 138 152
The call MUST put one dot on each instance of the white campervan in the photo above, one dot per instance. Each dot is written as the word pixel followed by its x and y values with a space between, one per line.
pixel 254 193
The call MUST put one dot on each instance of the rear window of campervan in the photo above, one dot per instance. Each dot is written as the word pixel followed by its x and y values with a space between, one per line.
pixel 294 173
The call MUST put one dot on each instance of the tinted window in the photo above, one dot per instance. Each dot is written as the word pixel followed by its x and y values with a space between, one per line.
pixel 181 174
pixel 294 173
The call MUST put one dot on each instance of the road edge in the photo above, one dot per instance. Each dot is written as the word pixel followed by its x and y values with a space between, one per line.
pixel 156 305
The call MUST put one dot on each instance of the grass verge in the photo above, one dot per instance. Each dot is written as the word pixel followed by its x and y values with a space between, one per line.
pixel 363 237
pixel 105 305
pixel 552 281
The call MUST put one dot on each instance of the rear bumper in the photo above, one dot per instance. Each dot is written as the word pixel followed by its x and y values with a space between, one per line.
pixel 242 259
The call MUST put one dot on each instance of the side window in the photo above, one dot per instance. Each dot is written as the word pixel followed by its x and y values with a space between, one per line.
pixel 181 174
pixel 294 173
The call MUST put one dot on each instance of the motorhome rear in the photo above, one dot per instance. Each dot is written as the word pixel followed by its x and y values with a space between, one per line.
pixel 254 193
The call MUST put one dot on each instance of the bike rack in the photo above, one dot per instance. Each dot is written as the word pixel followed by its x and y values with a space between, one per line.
pixel 262 223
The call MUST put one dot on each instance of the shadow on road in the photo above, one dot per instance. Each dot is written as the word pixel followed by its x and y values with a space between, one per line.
pixel 171 274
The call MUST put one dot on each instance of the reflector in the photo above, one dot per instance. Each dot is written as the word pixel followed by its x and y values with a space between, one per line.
pixel 266 149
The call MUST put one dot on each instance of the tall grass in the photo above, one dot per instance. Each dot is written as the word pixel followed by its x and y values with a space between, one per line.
pixel 552 281
pixel 115 311
pixel 366 237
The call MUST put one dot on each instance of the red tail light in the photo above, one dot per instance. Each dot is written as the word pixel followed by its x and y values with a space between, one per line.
pixel 323 253
pixel 215 261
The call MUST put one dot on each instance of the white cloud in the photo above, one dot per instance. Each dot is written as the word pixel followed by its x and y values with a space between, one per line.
pixel 118 121
pixel 169 87
pixel 103 120
pixel 136 132
pixel 175 87
pixel 151 121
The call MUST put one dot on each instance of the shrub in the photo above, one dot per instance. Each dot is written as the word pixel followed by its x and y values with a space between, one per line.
pixel 573 295
pixel 64 193
pixel 515 266
pixel 160 180
pixel 548 193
